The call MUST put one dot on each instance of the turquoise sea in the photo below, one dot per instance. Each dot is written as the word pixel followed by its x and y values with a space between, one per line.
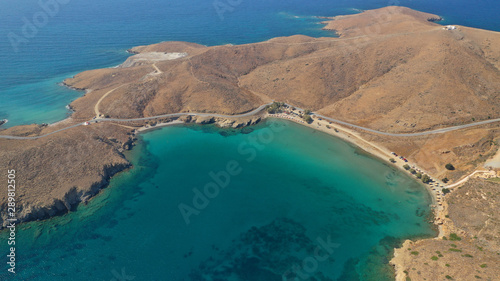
pixel 279 201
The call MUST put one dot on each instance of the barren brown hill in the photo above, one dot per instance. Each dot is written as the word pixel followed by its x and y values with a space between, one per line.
pixel 55 173
pixel 387 20
pixel 403 74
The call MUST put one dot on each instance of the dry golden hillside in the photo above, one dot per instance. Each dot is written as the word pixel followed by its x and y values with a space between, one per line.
pixel 392 69
pixel 388 20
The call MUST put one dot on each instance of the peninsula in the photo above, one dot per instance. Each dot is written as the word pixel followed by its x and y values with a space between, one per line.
pixel 393 81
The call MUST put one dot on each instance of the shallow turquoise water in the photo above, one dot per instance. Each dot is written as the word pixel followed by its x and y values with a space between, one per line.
pixel 297 190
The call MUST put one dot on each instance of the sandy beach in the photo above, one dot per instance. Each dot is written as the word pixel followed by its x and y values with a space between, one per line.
pixel 346 134
pixel 494 162
pixel 159 125
pixel 351 136
pixel 439 206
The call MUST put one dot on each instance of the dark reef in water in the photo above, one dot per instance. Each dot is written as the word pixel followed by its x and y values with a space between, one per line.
pixel 262 254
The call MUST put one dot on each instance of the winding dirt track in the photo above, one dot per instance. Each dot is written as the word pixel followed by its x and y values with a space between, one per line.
pixel 253 112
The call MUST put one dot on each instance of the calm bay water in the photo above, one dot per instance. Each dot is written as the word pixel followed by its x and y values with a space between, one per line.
pixel 81 35
pixel 301 195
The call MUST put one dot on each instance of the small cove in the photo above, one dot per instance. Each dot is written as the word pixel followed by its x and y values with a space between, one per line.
pixel 298 190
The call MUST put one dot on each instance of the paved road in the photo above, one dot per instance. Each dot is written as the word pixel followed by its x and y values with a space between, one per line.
pixel 257 110
pixel 251 113
pixel 437 131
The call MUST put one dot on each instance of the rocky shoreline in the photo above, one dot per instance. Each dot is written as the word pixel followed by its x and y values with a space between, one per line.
pixel 69 200
pixel 223 122
pixel 467 246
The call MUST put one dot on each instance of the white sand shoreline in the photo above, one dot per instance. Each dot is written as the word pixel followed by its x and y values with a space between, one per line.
pixel 494 162
pixel 383 154
pixel 354 138
pixel 159 125
pixel 372 149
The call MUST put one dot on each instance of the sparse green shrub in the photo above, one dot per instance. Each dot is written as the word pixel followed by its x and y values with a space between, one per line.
pixel 406 166
pixel 414 253
pixel 454 237
pixel 434 258
pixel 307 119
pixel 449 277
pixel 426 179
pixel 275 107
pixel 449 166
pixel 484 265
pixel 445 180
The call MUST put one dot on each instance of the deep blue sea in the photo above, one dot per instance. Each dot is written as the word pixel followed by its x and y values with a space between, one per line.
pixel 41 45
